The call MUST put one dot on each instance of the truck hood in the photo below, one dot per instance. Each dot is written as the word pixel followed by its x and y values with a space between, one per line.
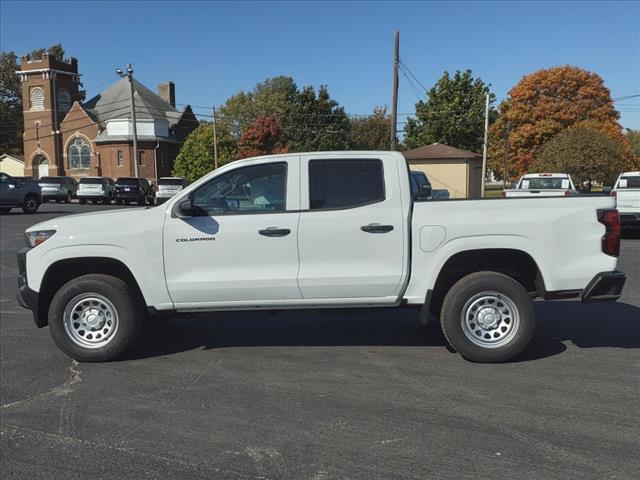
pixel 107 219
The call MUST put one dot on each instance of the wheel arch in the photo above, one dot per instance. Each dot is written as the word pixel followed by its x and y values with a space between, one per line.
pixel 512 262
pixel 62 271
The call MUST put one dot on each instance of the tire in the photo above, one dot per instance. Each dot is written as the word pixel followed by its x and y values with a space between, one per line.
pixel 5 210
pixel 68 199
pixel 505 328
pixel 82 201
pixel 118 323
pixel 126 202
pixel 31 204
pixel 94 202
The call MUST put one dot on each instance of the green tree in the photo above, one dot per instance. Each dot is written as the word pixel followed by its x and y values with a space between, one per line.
pixel 372 132
pixel 267 98
pixel 196 155
pixel 11 121
pixel 634 140
pixel 56 50
pixel 315 122
pixel 584 153
pixel 453 113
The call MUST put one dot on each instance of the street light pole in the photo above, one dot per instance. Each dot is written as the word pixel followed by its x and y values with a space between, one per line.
pixel 129 75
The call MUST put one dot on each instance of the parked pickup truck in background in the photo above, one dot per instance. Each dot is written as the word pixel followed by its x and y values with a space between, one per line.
pixel 318 230
pixel 627 194
pixel 18 194
pixel 543 185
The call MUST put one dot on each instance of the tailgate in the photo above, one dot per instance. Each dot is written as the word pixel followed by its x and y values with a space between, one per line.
pixel 535 193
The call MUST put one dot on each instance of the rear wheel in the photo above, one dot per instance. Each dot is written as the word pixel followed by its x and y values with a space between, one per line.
pixel 95 318
pixel 94 201
pixel 68 199
pixel 487 317
pixel 82 201
pixel 30 204
pixel 4 210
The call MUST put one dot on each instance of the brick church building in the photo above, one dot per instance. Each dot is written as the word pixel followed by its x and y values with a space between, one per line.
pixel 65 136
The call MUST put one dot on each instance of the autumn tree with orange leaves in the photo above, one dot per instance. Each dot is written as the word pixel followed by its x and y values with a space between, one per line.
pixel 262 137
pixel 545 103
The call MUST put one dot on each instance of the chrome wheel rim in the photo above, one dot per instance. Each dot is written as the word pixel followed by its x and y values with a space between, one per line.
pixel 90 320
pixel 490 319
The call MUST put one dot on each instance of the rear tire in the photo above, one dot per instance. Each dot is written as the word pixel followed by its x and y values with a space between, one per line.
pixel 95 318
pixel 5 210
pixel 487 317
pixel 82 201
pixel 68 199
pixel 30 204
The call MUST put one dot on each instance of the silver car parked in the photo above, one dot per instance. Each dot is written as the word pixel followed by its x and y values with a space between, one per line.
pixel 167 187
pixel 96 189
pixel 60 189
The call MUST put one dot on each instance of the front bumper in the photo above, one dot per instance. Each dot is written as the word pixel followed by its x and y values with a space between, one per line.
pixel 26 297
pixel 604 287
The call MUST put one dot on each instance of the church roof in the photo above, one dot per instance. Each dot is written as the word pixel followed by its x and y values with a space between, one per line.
pixel 114 103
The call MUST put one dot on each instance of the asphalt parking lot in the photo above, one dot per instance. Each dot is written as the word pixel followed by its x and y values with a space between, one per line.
pixel 322 395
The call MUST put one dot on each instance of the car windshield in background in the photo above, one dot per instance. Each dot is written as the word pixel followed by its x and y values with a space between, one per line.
pixel 630 182
pixel 171 181
pixel 127 181
pixel 24 179
pixel 57 180
pixel 542 183
pixel 92 181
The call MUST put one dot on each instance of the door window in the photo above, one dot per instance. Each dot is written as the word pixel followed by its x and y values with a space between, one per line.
pixel 254 189
pixel 335 184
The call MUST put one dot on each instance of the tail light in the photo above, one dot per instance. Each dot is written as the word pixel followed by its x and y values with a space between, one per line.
pixel 611 239
pixel 568 193
pixel 614 194
pixel 503 193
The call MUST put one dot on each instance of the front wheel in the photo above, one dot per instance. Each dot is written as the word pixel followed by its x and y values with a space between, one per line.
pixel 30 204
pixel 487 317
pixel 95 318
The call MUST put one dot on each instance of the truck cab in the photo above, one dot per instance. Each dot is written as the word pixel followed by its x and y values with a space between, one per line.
pixel 626 191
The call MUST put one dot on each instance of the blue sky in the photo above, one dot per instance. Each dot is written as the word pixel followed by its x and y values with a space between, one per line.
pixel 211 50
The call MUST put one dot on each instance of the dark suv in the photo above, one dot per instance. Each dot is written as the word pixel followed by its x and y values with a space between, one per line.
pixel 132 189
pixel 25 195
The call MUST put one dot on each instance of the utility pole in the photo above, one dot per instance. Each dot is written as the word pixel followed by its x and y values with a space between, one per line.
pixel 215 141
pixel 506 153
pixel 394 102
pixel 129 75
pixel 484 149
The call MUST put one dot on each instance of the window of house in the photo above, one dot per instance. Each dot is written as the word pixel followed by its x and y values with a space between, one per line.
pixel 120 158
pixel 79 154
pixel 345 183
pixel 255 189
pixel 141 158
pixel 37 98
pixel 64 100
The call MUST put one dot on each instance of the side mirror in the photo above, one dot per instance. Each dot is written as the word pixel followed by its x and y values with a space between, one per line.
pixel 183 209
pixel 424 192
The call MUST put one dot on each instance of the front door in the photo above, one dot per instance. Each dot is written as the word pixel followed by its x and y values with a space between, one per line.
pixel 9 191
pixel 351 239
pixel 240 244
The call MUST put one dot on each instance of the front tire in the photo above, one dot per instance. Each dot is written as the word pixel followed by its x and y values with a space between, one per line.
pixel 30 204
pixel 95 318
pixel 487 317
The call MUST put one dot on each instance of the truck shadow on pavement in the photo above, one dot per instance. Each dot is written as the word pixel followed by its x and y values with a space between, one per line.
pixel 615 325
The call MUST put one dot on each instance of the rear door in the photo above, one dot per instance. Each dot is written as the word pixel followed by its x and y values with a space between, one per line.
pixel 352 230
pixel 241 244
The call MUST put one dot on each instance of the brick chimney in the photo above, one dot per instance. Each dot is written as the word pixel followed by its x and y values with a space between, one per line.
pixel 167 90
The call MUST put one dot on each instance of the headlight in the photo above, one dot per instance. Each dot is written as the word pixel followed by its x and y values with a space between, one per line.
pixel 36 238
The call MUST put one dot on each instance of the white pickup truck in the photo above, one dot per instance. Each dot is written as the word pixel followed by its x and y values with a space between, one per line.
pixel 627 194
pixel 543 185
pixel 318 230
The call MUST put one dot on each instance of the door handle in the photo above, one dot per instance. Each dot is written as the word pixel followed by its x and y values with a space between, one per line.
pixel 376 228
pixel 274 232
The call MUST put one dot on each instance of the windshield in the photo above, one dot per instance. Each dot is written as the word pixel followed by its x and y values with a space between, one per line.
pixel 171 181
pixel 57 180
pixel 92 181
pixel 629 182
pixel 127 181
pixel 545 183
